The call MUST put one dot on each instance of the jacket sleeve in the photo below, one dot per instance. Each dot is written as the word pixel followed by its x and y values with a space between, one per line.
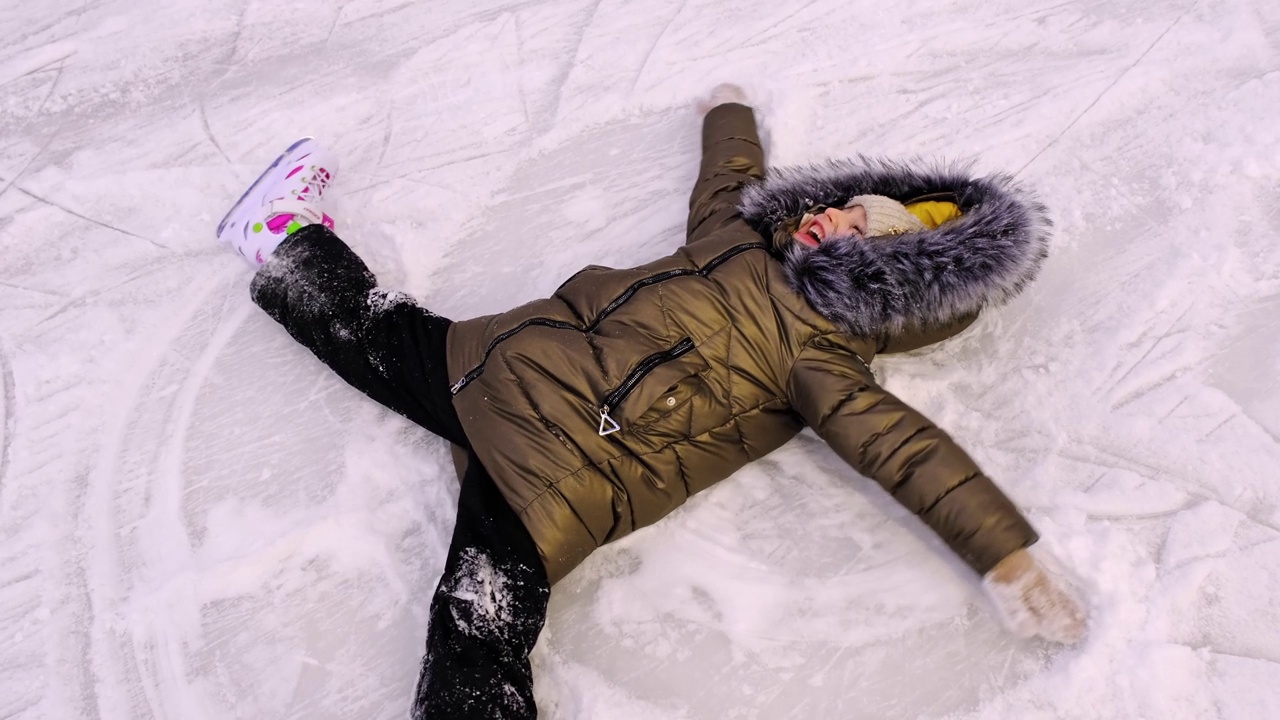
pixel 917 463
pixel 918 337
pixel 731 157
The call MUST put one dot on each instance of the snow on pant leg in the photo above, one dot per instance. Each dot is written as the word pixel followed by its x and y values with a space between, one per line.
pixel 486 614
pixel 382 343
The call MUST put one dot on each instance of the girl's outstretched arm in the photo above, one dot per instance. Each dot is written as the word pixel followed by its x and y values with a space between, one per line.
pixel 932 476
pixel 731 157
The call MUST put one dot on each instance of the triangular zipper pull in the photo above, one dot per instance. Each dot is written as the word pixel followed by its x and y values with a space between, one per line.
pixel 608 425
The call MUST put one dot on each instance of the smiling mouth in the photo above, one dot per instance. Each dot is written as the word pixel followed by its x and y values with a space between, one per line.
pixel 812 235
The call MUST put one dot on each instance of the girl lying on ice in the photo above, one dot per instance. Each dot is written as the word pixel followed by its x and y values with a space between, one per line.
pixel 594 412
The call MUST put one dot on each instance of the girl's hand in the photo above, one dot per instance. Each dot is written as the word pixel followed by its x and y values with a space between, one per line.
pixel 1031 600
pixel 721 94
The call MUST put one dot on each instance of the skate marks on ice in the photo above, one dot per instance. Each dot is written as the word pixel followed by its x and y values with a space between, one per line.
pixel 60 518
pixel 586 185
pixel 1245 369
pixel 8 421
pixel 214 552
pixel 29 65
pixel 799 590
pixel 128 525
pixel 1075 120
pixel 230 545
pixel 86 218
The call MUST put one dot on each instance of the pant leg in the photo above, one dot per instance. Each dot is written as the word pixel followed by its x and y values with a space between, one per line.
pixel 486 614
pixel 492 598
pixel 382 343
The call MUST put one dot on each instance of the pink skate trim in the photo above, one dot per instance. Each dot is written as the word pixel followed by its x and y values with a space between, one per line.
pixel 239 204
pixel 293 172
pixel 327 221
pixel 278 223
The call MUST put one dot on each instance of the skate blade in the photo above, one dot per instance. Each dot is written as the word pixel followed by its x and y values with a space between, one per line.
pixel 288 154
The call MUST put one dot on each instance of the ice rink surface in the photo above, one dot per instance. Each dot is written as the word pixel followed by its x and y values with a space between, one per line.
pixel 199 521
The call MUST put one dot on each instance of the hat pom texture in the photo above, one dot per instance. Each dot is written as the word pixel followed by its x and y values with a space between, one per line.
pixel 917 279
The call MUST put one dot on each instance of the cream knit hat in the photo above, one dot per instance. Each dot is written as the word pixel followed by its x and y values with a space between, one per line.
pixel 886 216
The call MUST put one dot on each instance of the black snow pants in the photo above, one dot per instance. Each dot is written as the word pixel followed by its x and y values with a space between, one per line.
pixel 492 599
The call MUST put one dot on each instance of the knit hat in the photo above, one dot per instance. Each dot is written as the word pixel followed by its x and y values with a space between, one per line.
pixel 886 216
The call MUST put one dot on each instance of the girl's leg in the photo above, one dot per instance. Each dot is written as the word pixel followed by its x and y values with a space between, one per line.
pixel 486 614
pixel 491 601
pixel 384 345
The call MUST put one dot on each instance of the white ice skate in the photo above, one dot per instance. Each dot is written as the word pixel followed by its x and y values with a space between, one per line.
pixel 287 196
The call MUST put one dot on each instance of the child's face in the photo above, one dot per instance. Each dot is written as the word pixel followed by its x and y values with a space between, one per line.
pixel 815 229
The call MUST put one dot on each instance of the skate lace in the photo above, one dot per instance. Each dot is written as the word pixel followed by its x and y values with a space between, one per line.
pixel 302 202
pixel 316 182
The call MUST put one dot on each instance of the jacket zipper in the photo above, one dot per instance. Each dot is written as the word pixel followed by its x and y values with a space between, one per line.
pixel 475 372
pixel 613 305
pixel 614 398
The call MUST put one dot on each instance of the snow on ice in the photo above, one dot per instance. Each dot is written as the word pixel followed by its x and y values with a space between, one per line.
pixel 198 521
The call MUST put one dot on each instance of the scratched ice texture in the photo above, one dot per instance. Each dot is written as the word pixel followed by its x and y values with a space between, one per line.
pixel 199 521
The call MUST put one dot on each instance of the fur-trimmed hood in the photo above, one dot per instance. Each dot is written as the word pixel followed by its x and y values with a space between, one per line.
pixel 920 279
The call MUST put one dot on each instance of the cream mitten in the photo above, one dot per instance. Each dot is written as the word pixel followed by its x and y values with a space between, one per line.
pixel 720 95
pixel 1032 600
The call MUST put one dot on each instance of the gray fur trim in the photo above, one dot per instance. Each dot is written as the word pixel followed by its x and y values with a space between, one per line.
pixel 929 278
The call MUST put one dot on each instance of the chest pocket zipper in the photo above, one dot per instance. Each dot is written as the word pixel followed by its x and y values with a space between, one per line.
pixel 614 398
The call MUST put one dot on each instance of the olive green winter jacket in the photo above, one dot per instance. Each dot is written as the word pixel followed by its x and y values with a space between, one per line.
pixel 602 408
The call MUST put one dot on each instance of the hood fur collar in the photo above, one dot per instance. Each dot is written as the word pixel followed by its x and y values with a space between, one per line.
pixel 920 279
